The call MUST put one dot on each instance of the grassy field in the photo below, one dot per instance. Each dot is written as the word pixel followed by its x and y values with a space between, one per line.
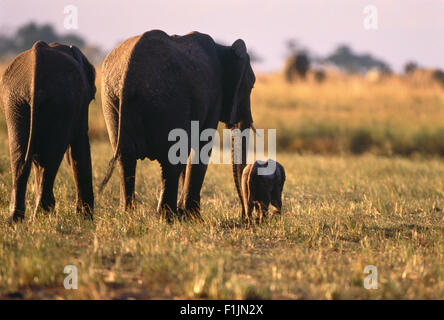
pixel 393 116
pixel 341 212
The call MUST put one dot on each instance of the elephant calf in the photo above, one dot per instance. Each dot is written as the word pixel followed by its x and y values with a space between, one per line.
pixel 45 93
pixel 259 189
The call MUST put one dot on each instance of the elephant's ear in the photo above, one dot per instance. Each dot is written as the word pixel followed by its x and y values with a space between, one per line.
pixel 236 67
pixel 88 68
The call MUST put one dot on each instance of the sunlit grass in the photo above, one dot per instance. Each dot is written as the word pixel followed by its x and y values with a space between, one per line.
pixel 341 212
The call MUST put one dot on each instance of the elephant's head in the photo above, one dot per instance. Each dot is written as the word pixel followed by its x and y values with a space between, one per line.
pixel 238 82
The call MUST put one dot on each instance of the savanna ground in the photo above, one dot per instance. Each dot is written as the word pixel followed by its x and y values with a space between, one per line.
pixel 364 187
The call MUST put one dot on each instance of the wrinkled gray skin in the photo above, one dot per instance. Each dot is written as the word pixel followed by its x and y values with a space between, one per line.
pixel 45 93
pixel 258 191
pixel 154 83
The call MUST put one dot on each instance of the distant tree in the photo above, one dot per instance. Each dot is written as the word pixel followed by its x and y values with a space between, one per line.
pixel 386 70
pixel 30 33
pixel 94 53
pixel 298 61
pixel 72 39
pixel 438 76
pixel 410 67
pixel 297 66
pixel 344 58
pixel 7 45
pixel 293 46
pixel 254 57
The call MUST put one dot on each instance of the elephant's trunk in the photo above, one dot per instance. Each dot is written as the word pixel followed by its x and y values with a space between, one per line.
pixel 239 158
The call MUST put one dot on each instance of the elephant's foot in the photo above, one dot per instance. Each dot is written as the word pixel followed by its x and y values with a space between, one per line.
pixel 168 214
pixel 190 215
pixel 45 207
pixel 261 218
pixel 16 216
pixel 46 203
pixel 246 220
pixel 85 210
pixel 39 210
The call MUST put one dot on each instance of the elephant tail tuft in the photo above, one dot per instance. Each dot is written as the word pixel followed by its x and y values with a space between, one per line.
pixel 109 173
pixel 112 162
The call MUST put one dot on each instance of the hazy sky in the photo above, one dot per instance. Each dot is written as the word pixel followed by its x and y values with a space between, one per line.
pixel 408 29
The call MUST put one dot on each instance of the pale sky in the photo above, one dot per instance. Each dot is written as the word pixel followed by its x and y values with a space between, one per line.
pixel 408 29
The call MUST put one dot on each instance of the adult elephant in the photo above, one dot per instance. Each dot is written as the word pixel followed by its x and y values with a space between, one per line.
pixel 154 83
pixel 45 93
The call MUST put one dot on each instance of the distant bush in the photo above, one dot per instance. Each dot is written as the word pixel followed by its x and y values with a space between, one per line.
pixel 438 76
pixel 410 67
pixel 379 141
pixel 361 141
pixel 349 61
pixel 297 66
pixel 26 35
pixel 320 75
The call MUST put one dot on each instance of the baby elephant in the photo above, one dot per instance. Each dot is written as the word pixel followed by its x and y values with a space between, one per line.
pixel 262 184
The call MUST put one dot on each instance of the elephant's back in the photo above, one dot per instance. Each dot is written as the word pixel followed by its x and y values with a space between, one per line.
pixel 115 65
pixel 159 82
pixel 155 62
pixel 17 79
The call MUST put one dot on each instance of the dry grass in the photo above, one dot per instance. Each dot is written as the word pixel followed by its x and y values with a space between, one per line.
pixel 341 213
pixel 396 115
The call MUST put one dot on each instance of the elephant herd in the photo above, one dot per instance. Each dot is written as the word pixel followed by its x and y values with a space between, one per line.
pixel 151 84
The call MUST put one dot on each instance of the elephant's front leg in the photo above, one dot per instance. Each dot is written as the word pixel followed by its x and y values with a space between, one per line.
pixel 80 157
pixel 247 191
pixel 191 187
pixel 167 206
pixel 248 216
pixel 127 166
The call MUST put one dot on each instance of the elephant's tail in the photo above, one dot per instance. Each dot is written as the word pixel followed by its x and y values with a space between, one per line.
pixel 27 159
pixel 109 172
pixel 31 130
pixel 112 162
pixel 32 125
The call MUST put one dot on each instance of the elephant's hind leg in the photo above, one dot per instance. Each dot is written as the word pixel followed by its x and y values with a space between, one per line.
pixel 80 157
pixel 44 178
pixel 127 166
pixel 263 209
pixel 20 175
pixel 18 134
